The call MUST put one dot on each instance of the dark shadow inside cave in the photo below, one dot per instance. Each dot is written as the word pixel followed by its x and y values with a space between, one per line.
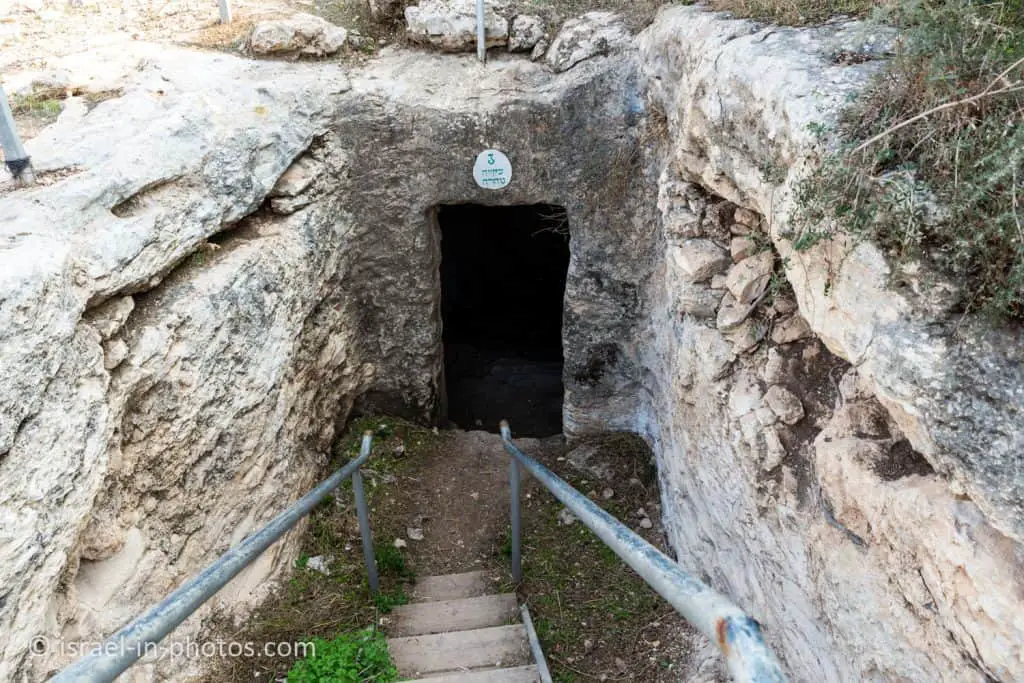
pixel 503 271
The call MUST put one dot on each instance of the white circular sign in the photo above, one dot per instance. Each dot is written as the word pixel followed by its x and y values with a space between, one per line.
pixel 492 169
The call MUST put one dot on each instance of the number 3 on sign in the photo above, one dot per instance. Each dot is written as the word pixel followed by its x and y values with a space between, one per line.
pixel 492 169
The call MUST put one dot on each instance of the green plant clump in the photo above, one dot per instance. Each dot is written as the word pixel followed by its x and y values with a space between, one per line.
pixel 353 657
pixel 931 161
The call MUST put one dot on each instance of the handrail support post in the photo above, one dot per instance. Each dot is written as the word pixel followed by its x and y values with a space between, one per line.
pixel 515 486
pixel 364 531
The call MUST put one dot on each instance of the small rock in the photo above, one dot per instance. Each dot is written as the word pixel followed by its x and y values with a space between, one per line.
pixel 566 518
pixel 297 179
pixel 588 644
pixel 399 448
pixel 450 25
pixel 731 313
pixel 300 34
pixel 785 404
pixel 539 50
pixel 746 217
pixel 741 248
pixel 475 495
pixel 697 300
pixel 526 33
pixel 320 563
pixel 591 35
pixel 109 317
pixel 766 416
pixel 719 281
pixel 746 336
pixel 776 452
pixel 400 543
pixel 700 259
pixel 633 481
pixel 746 395
pixel 740 229
pixel 748 279
pixel 793 328
pixel 414 533
pixel 607 494
pixel 646 523
pixel 286 206
pixel 620 664
pixel 776 369
pixel 784 305
pixel 640 512
pixel 114 353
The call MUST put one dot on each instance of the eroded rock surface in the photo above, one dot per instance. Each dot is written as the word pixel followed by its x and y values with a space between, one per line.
pixel 853 495
pixel 164 394
pixel 593 34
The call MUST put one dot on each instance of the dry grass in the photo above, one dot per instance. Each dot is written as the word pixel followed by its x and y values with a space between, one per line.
pixel 597 620
pixel 931 165
pixel 796 12
pixel 637 14
pixel 230 37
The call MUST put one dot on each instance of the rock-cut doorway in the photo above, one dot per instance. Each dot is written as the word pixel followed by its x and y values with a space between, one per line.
pixel 503 273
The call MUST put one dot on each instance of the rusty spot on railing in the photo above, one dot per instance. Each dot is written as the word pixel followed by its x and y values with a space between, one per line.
pixel 722 631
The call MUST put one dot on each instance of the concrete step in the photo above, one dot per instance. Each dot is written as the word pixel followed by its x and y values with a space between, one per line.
pixel 464 614
pixel 519 674
pixel 497 646
pixel 451 587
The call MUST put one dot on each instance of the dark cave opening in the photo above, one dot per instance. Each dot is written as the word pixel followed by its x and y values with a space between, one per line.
pixel 503 272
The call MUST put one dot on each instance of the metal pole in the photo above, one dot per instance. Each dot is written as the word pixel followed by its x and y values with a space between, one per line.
pixel 364 527
pixel 140 637
pixel 538 651
pixel 15 157
pixel 737 635
pixel 225 12
pixel 481 39
pixel 514 487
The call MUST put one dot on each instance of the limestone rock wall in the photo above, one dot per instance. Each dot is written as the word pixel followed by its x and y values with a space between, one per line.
pixel 175 351
pixel 815 462
pixel 415 122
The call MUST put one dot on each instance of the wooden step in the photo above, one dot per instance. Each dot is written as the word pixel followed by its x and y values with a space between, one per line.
pixel 451 587
pixel 496 646
pixel 519 674
pixel 465 614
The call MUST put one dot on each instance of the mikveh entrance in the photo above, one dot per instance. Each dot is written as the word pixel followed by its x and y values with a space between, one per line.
pixel 503 271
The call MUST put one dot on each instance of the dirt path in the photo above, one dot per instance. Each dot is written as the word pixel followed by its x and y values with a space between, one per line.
pixel 439 504
pixel 457 496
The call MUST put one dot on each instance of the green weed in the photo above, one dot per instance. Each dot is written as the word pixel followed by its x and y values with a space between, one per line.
pixel 388 600
pixel 353 657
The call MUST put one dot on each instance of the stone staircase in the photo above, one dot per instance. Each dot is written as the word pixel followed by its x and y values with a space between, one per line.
pixel 457 630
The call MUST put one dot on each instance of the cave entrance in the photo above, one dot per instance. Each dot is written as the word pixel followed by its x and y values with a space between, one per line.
pixel 503 271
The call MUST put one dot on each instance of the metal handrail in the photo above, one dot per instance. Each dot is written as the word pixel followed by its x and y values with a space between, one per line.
pixel 737 635
pixel 139 638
